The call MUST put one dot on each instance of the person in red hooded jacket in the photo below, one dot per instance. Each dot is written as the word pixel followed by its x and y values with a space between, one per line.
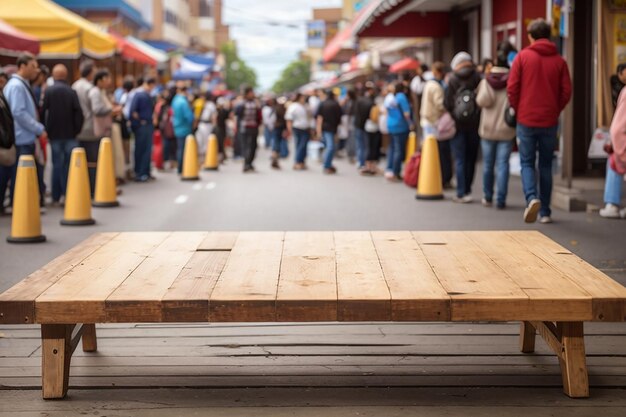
pixel 539 88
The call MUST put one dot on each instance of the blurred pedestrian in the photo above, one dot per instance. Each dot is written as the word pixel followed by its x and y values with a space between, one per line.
pixel 27 126
pixel 616 163
pixel 221 128
pixel 460 101
pixel 279 131
pixel 362 109
pixel 182 121
pixel 141 111
pixel 539 88
pixel 399 123
pixel 328 118
pixel 298 119
pixel 207 121
pixel 124 124
pixel 63 118
pixel 345 132
pixel 431 111
pixel 269 119
pixel 618 80
pixel 165 118
pixel 250 119
pixel 4 79
pixel 372 132
pixel 496 135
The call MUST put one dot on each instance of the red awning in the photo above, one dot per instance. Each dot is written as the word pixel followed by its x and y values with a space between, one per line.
pixel 12 39
pixel 130 52
pixel 405 64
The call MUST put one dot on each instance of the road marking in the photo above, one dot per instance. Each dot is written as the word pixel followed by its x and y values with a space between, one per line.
pixel 197 186
pixel 181 199
pixel 210 186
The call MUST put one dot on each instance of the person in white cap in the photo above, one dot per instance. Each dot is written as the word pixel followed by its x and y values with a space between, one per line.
pixel 460 101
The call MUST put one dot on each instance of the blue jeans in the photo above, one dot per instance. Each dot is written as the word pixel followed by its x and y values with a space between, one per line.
pixel 277 140
pixel 361 146
pixel 61 155
pixel 180 150
pixel 268 135
pixel 329 151
pixel 613 186
pixel 496 155
pixel 169 148
pixel 465 146
pixel 143 150
pixel 397 152
pixel 301 137
pixel 531 141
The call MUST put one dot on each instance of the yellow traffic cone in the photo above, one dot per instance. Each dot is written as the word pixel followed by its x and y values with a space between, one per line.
pixel 78 196
pixel 411 147
pixel 106 189
pixel 191 167
pixel 26 221
pixel 211 161
pixel 429 185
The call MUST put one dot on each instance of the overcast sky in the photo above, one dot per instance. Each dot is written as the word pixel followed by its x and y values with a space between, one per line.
pixel 270 33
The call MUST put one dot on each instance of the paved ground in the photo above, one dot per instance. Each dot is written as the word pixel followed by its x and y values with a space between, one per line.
pixel 287 200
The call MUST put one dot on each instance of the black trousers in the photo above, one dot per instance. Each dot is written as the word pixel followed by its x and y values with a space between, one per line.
pixel 91 152
pixel 249 146
pixel 445 158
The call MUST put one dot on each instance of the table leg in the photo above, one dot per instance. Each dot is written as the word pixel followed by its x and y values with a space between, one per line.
pixel 90 342
pixel 573 361
pixel 527 337
pixel 56 345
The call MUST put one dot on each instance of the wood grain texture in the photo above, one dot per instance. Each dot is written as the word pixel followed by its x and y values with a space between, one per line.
pixel 363 294
pixel 608 296
pixel 307 287
pixel 573 362
pixel 478 288
pixel 138 297
pixel 17 304
pixel 56 356
pixel 187 299
pixel 219 241
pixel 416 293
pixel 80 295
pixel 246 290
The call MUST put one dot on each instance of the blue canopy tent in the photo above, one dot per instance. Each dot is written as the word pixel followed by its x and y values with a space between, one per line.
pixel 194 67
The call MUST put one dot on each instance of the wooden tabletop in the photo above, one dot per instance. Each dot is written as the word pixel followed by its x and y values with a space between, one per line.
pixel 315 276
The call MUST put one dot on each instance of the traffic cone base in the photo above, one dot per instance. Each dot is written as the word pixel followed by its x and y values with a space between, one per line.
pixel 429 197
pixel 86 222
pixel 190 178
pixel 34 239
pixel 104 204
pixel 26 219
pixel 106 189
pixel 211 169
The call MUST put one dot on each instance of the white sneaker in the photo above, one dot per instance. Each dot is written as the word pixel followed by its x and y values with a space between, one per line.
pixel 463 200
pixel 486 203
pixel 545 219
pixel 610 211
pixel 530 214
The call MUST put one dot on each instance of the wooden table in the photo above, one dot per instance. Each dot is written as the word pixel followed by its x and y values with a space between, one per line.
pixel 315 276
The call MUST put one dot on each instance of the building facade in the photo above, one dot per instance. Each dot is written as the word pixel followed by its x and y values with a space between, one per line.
pixel 207 30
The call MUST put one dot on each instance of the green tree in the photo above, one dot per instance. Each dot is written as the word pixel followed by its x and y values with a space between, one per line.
pixel 238 73
pixel 296 74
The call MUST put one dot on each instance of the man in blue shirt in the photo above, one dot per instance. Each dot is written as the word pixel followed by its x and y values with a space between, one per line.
pixel 23 106
pixel 141 111
pixel 182 121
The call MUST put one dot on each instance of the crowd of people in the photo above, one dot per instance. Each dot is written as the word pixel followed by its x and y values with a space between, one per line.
pixel 467 107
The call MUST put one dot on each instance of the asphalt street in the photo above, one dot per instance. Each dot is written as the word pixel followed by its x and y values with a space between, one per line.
pixel 306 200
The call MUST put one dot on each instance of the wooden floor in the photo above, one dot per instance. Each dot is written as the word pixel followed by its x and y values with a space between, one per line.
pixel 444 357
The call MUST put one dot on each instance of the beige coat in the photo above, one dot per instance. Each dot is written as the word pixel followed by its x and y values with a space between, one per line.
pixel 493 104
pixel 432 103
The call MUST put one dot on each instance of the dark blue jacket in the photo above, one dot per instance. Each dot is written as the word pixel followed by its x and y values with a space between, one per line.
pixel 143 106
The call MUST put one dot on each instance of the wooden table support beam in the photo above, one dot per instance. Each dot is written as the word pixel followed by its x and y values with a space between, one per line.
pixel 90 342
pixel 567 341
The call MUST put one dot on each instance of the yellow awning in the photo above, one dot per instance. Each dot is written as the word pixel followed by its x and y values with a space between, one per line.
pixel 62 33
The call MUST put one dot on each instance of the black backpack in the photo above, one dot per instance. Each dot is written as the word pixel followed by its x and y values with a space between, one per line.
pixel 465 108
pixel 7 129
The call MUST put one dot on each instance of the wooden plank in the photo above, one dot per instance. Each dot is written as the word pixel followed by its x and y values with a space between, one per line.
pixel 528 334
pixel 90 340
pixel 478 288
pixel 80 295
pixel 362 292
pixel 17 304
pixel 138 298
pixel 56 356
pixel 552 296
pixel 307 288
pixel 608 296
pixel 219 241
pixel 246 290
pixel 187 300
pixel 416 293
